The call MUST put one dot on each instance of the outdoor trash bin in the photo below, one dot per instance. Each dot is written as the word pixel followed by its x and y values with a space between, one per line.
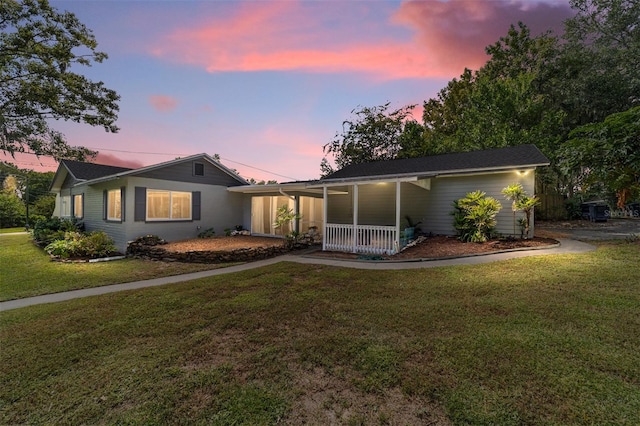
pixel 598 212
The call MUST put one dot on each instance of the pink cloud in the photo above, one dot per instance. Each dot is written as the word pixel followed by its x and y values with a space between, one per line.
pixel 277 36
pixel 456 32
pixel 163 103
pixel 114 160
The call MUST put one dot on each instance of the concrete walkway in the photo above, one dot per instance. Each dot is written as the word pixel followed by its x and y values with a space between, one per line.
pixel 566 246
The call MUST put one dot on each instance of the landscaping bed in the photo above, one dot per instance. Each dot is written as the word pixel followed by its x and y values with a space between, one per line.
pixel 247 248
pixel 442 246
pixel 208 250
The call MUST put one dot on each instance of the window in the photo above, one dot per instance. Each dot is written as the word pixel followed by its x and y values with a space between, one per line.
pixel 114 204
pixel 78 208
pixel 65 205
pixel 198 169
pixel 168 205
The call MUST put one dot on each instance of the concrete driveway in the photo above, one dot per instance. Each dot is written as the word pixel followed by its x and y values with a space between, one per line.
pixel 583 230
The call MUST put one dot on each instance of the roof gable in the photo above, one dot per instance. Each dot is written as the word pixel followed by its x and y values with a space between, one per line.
pixel 91 173
pixel 511 157
pixel 88 171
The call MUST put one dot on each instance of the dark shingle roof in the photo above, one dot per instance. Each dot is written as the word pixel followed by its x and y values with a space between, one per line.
pixel 500 158
pixel 88 171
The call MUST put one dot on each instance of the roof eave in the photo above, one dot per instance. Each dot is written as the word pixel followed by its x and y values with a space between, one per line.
pixel 62 167
pixel 424 175
pixel 165 164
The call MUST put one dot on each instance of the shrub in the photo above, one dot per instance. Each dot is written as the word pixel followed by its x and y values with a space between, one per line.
pixel 149 240
pixel 35 218
pixel 49 230
pixel 474 217
pixel 97 244
pixel 76 244
pixel 207 233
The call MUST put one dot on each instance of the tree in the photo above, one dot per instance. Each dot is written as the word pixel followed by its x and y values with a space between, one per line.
pixel 374 134
pixel 598 66
pixel 441 116
pixel 38 48
pixel 12 211
pixel 608 152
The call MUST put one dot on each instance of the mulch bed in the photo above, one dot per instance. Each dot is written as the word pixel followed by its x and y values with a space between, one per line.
pixel 431 248
pixel 222 244
pixel 444 246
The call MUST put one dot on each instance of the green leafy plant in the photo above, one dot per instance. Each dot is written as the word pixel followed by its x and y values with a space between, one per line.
pixel 76 244
pixel 49 230
pixel 474 216
pixel 284 217
pixel 520 201
pixel 208 233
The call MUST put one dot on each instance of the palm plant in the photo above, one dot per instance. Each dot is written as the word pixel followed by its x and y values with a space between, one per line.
pixel 520 201
pixel 475 216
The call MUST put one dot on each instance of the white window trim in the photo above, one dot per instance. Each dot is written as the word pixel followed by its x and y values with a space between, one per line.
pixel 170 218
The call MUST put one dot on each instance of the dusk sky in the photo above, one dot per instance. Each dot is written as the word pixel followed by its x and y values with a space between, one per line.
pixel 265 84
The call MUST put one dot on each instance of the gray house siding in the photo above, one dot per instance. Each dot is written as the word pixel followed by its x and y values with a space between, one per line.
pixel 444 191
pixel 94 212
pixel 184 172
pixel 432 207
pixel 219 209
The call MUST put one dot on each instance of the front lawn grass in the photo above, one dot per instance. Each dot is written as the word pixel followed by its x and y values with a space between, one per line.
pixel 11 230
pixel 539 340
pixel 26 270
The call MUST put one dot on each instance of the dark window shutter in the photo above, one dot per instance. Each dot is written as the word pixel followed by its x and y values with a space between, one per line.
pixel 140 210
pixel 122 203
pixel 73 205
pixel 105 200
pixel 195 205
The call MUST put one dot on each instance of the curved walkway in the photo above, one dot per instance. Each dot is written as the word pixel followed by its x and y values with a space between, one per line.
pixel 566 246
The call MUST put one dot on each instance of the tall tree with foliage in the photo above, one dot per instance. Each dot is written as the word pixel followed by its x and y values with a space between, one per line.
pixel 597 71
pixel 373 134
pixel 501 104
pixel 440 117
pixel 40 49
pixel 609 153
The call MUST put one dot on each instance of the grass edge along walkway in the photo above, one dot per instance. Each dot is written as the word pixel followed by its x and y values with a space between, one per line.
pixel 566 246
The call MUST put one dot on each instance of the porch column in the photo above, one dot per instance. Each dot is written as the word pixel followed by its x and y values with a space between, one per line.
pixel 325 201
pixel 355 216
pixel 296 206
pixel 397 242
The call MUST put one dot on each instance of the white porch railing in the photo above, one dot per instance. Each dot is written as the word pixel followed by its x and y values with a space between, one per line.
pixel 371 239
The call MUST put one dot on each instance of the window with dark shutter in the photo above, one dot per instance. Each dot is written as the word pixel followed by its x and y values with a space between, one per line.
pixel 198 169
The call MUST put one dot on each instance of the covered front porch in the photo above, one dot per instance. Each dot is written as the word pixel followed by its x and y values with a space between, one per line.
pixel 373 216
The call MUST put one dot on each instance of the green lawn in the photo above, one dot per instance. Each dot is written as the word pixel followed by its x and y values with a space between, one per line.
pixel 539 340
pixel 26 270
pixel 11 230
